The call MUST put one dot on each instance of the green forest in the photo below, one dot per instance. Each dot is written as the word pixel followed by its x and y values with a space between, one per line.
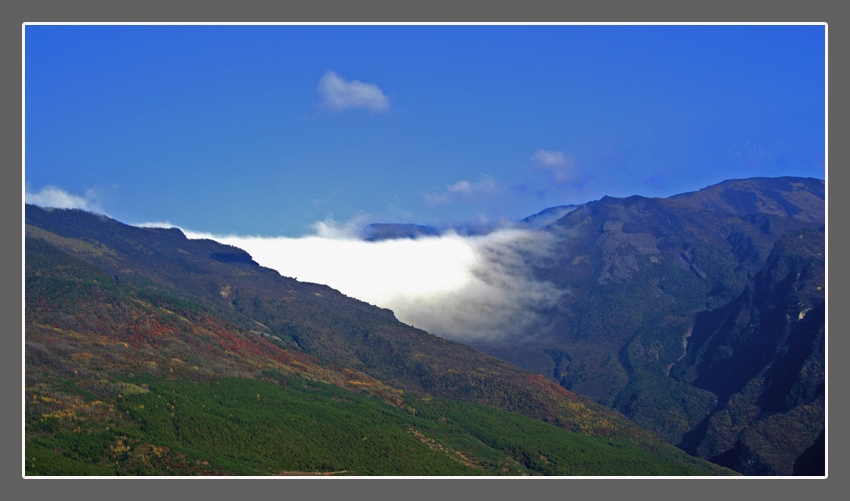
pixel 278 425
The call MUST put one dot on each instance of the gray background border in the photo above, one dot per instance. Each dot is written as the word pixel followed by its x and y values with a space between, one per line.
pixel 386 11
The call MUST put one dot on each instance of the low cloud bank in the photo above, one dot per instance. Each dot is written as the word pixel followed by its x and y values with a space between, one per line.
pixel 467 288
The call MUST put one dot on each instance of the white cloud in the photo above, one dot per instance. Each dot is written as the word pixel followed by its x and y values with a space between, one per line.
pixel 341 231
pixel 52 196
pixel 458 287
pixel 463 190
pixel 339 94
pixel 561 165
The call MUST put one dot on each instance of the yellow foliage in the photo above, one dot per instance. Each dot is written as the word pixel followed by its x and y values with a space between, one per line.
pixel 119 449
pixel 61 414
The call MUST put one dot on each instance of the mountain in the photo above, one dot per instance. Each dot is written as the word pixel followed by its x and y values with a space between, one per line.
pixel 699 316
pixel 148 353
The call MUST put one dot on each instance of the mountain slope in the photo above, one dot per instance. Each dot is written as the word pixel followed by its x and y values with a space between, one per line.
pixel 106 303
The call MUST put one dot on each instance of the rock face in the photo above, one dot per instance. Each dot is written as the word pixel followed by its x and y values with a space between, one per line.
pixel 762 355
pixel 699 316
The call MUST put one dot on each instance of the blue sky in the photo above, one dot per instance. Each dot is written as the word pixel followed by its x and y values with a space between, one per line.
pixel 265 130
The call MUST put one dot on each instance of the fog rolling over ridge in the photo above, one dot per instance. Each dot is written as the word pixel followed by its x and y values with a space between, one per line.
pixel 465 288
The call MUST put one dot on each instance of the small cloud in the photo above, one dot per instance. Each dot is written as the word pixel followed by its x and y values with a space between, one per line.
pixel 54 197
pixel 463 190
pixel 563 166
pixel 339 94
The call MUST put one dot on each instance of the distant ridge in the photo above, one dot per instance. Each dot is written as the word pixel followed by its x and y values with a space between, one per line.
pixel 388 231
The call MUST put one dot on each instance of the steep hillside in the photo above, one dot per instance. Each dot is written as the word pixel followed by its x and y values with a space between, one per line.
pixel 131 333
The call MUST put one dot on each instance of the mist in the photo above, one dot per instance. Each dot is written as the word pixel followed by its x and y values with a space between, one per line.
pixel 465 288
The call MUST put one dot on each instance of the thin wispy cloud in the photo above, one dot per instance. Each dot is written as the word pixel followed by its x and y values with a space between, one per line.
pixel 752 155
pixel 465 288
pixel 339 94
pixel 561 165
pixel 464 190
pixel 55 197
